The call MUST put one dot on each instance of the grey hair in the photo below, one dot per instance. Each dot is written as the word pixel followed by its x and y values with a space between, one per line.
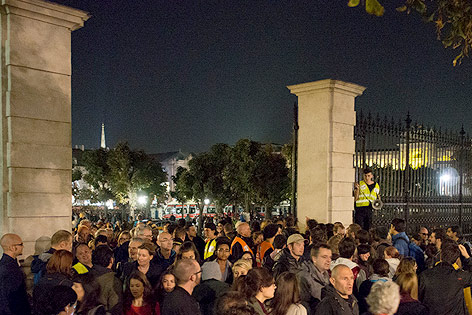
pixel 137 239
pixel 384 298
pixel 140 230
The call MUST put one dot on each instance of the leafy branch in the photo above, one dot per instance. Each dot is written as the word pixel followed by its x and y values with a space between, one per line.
pixel 452 19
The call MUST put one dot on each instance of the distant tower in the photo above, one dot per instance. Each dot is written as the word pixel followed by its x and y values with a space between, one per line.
pixel 103 143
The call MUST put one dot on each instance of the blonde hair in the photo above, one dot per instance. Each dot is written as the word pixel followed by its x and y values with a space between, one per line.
pixel 406 265
pixel 243 263
pixel 408 283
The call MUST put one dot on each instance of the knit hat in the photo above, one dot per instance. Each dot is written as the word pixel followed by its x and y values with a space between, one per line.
pixel 211 270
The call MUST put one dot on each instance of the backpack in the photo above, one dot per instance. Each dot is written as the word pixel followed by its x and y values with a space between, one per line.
pixel 415 252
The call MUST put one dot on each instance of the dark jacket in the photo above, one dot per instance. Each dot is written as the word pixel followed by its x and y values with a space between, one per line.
pixel 41 290
pixel 333 304
pixel 13 296
pixel 180 302
pixel 286 262
pixel 441 289
pixel 312 281
pixel 380 247
pixel 153 274
pixel 163 262
pixel 110 289
pixel 38 265
pixel 199 244
pixel 207 292
pixel 121 253
pixel 364 291
pixel 410 306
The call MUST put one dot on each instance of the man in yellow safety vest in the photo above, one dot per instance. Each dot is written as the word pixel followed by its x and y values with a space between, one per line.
pixel 365 192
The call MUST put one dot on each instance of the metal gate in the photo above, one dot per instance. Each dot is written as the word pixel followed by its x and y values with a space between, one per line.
pixel 424 172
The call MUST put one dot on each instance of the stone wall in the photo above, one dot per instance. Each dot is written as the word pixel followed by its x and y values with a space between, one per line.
pixel 36 117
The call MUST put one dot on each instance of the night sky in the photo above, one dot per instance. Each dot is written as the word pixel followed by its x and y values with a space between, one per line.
pixel 170 75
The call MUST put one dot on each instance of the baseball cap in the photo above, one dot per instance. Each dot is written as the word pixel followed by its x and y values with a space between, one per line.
pixel 294 238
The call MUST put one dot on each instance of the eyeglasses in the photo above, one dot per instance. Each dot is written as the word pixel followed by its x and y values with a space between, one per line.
pixel 21 244
pixel 196 273
pixel 424 234
pixel 223 250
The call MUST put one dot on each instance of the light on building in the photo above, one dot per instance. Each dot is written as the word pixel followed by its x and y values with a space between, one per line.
pixel 109 204
pixel 445 178
pixel 142 200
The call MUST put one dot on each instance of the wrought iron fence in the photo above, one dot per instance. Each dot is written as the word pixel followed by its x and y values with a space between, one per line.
pixel 424 173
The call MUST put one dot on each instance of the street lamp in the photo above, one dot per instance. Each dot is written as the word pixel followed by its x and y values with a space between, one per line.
pixel 206 201
pixel 445 178
pixel 142 200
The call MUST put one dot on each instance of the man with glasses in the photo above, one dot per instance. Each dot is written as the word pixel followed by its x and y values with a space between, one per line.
pixel 423 237
pixel 187 273
pixel 13 296
pixel 165 255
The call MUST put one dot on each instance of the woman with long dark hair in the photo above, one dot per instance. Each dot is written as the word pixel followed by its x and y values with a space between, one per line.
pixel 88 292
pixel 138 299
pixel 287 296
pixel 258 286
pixel 165 286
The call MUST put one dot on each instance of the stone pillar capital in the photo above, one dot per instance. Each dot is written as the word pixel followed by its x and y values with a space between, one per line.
pixel 48 12
pixel 326 85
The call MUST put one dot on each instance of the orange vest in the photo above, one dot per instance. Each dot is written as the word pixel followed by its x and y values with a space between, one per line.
pixel 243 244
pixel 261 250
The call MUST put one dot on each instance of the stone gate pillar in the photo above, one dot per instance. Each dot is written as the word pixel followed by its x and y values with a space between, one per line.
pixel 36 162
pixel 325 149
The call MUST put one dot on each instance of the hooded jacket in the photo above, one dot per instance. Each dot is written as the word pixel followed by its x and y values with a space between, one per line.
pixel 312 281
pixel 364 291
pixel 110 289
pixel 286 262
pixel 333 304
pixel 38 265
pixel 401 241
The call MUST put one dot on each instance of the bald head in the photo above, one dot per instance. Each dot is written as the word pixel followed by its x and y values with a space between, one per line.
pixel 185 269
pixel 12 245
pixel 244 229
pixel 338 270
pixel 165 241
pixel 342 280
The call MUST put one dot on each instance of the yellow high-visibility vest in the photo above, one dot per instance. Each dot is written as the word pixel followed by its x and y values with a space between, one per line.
pixel 80 268
pixel 209 248
pixel 365 195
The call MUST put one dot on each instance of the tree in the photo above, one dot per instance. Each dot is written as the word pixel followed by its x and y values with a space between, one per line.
pixel 190 184
pixel 240 170
pixel 271 179
pixel 216 188
pixel 133 172
pixel 97 173
pixel 122 173
pixel 452 18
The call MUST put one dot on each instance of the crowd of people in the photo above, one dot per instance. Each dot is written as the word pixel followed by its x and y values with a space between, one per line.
pixel 262 268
